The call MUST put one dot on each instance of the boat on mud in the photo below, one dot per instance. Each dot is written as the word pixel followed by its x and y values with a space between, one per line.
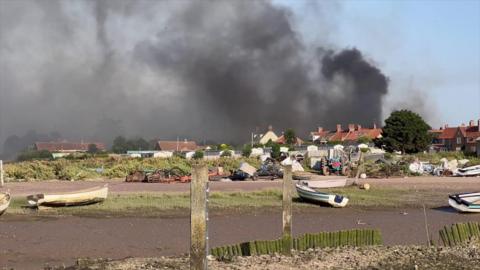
pixel 465 202
pixel 331 183
pixel 75 198
pixel 4 202
pixel 309 194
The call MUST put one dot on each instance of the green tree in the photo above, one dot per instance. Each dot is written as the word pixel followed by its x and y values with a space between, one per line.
pixel 275 151
pixel 247 150
pixel 224 146
pixel 270 143
pixel 120 145
pixel 364 139
pixel 139 144
pixel 290 137
pixel 34 155
pixel 405 131
pixel 92 149
pixel 198 154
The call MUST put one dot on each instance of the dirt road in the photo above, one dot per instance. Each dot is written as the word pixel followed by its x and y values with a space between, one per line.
pixel 120 187
pixel 26 243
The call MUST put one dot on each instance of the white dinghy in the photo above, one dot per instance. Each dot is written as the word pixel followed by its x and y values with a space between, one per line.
pixel 80 197
pixel 4 202
pixel 309 194
pixel 465 202
pixel 330 183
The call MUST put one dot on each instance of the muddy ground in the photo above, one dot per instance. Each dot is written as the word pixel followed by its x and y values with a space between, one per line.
pixel 118 186
pixel 32 242
pixel 363 258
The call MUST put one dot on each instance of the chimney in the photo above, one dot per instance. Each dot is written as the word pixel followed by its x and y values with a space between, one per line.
pixel 445 126
pixel 470 123
pixel 374 125
pixel 320 129
pixel 339 128
pixel 359 127
pixel 478 125
pixel 351 127
pixel 270 128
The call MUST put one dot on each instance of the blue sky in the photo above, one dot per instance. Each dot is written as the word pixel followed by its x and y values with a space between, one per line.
pixel 429 49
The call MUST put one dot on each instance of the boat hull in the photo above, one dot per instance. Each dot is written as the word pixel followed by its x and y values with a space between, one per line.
pixel 332 183
pixel 465 202
pixel 309 194
pixel 82 197
pixel 4 202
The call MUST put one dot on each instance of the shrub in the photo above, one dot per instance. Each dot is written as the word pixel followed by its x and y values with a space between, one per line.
pixel 33 154
pixel 226 153
pixel 198 154
pixel 247 150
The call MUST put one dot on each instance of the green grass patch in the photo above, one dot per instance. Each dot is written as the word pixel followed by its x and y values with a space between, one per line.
pixel 104 167
pixel 167 204
pixel 390 197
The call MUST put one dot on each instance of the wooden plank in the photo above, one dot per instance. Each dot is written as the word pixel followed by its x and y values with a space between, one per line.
pixel 198 217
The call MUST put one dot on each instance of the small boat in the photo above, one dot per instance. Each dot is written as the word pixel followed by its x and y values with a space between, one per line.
pixel 468 171
pixel 331 183
pixel 465 202
pixel 4 202
pixel 80 197
pixel 309 194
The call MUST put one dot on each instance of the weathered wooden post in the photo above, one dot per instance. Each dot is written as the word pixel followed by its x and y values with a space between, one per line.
pixel 1 173
pixel 287 210
pixel 198 218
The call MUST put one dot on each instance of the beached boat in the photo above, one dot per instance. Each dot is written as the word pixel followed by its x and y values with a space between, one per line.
pixel 309 194
pixel 468 171
pixel 4 202
pixel 80 197
pixel 331 183
pixel 465 202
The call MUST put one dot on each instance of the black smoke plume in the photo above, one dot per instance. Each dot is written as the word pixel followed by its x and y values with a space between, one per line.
pixel 207 70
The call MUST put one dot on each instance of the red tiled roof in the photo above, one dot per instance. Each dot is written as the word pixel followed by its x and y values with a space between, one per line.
pixel 180 146
pixel 472 132
pixel 66 146
pixel 355 134
pixel 320 134
pixel 281 140
pixel 448 133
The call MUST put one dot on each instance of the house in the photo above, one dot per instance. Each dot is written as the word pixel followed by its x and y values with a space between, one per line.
pixel 282 140
pixel 269 135
pixel 67 147
pixel 461 138
pixel 450 139
pixel 478 147
pixel 176 146
pixel 471 133
pixel 351 135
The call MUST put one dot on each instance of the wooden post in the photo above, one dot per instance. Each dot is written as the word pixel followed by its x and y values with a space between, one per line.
pixel 360 163
pixel 198 218
pixel 1 173
pixel 287 210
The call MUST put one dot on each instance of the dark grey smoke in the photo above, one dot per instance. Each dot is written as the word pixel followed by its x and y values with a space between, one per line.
pixel 208 70
pixel 362 99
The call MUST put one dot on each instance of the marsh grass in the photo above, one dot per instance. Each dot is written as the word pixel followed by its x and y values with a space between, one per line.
pixel 175 204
